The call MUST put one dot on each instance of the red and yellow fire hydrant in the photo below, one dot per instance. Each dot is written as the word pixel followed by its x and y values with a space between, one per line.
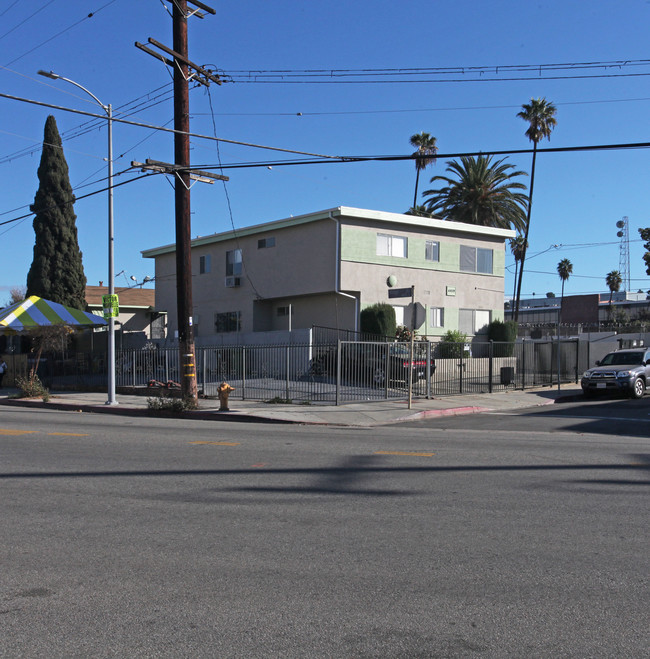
pixel 223 392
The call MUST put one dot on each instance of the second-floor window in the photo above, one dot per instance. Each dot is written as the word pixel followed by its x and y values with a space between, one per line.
pixel 233 263
pixel 388 245
pixel 204 264
pixel 229 321
pixel 432 250
pixel 476 259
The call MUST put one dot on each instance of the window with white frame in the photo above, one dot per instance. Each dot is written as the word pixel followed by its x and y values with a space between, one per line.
pixel 476 259
pixel 204 264
pixel 437 317
pixel 388 245
pixel 472 321
pixel 233 263
pixel 432 250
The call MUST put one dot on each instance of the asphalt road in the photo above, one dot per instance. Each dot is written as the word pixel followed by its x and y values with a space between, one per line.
pixel 483 536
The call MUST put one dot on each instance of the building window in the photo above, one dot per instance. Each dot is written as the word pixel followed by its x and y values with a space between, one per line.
pixel 266 242
pixel 233 263
pixel 284 311
pixel 472 321
pixel 432 250
pixel 230 321
pixel 388 245
pixel 437 317
pixel 204 264
pixel 399 315
pixel 476 259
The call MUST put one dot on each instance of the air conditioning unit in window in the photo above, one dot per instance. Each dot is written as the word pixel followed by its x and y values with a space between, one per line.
pixel 233 282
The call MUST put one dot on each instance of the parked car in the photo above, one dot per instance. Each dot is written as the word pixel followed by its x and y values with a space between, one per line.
pixel 623 371
pixel 373 364
pixel 379 364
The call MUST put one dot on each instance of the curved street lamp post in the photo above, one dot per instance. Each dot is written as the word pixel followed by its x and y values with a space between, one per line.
pixel 111 284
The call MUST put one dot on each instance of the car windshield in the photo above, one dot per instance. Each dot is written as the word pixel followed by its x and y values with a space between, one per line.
pixel 622 359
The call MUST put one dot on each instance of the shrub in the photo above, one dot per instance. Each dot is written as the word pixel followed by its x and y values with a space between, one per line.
pixel 379 320
pixel 171 405
pixel 452 345
pixel 504 335
pixel 32 387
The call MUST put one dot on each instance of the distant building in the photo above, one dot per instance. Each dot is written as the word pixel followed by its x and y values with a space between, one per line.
pixel 137 310
pixel 581 313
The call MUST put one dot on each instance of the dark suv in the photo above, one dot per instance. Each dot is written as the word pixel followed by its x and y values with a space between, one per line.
pixel 625 371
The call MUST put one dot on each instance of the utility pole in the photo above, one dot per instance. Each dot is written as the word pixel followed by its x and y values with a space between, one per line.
pixel 181 168
pixel 182 204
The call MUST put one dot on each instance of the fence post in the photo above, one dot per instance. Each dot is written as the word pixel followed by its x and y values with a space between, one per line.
pixel 167 378
pixel 243 373
pixel 428 371
pixel 523 364
pixel 338 372
pixel 133 370
pixel 287 379
pixel 462 366
pixel 386 362
pixel 491 364
pixel 577 360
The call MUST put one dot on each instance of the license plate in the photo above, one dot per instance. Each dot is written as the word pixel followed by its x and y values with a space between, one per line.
pixel 601 385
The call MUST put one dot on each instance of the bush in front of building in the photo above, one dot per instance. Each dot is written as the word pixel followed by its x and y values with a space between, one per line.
pixel 504 335
pixel 378 320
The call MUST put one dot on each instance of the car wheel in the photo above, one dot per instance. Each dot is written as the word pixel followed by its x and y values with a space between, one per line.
pixel 379 377
pixel 638 388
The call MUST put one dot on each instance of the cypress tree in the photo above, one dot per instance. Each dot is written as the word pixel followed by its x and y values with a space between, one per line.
pixel 56 272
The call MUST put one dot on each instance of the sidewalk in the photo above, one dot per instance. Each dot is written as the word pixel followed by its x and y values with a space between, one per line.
pixel 366 414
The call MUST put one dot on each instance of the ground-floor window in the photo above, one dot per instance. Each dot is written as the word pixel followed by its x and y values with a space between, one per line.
pixel 229 321
pixel 472 321
pixel 437 316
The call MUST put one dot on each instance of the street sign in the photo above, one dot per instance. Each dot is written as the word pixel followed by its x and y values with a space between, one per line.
pixel 401 292
pixel 111 306
pixel 419 315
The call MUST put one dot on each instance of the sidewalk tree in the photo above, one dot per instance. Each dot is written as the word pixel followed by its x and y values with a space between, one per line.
pixel 425 155
pixel 540 115
pixel 56 272
pixel 480 191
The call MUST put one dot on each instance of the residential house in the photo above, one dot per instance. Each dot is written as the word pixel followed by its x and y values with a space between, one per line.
pixel 323 268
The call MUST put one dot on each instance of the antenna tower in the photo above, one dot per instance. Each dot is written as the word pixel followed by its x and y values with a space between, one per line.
pixel 623 233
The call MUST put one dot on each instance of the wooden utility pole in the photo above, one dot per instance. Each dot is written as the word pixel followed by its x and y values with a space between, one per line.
pixel 182 204
pixel 184 70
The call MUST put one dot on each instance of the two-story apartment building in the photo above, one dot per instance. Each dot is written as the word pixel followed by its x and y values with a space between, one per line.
pixel 323 268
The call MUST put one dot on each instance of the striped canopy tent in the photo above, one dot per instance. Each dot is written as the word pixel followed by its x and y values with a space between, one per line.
pixel 37 312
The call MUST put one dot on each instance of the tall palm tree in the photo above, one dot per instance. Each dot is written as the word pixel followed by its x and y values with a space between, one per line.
pixel 516 248
pixel 540 115
pixel 425 155
pixel 481 192
pixel 614 281
pixel 564 269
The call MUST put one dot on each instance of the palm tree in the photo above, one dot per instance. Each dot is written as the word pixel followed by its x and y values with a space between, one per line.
pixel 564 269
pixel 480 192
pixel 419 211
pixel 424 156
pixel 517 248
pixel 540 115
pixel 614 281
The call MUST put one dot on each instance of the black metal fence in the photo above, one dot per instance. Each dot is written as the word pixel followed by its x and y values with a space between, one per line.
pixel 339 372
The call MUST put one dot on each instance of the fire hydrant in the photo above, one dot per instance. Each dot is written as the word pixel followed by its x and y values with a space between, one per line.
pixel 223 392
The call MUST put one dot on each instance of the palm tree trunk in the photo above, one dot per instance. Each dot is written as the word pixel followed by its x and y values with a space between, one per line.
pixel 417 180
pixel 514 292
pixel 525 245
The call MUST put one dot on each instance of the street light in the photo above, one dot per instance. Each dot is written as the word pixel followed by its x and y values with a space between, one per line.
pixel 111 284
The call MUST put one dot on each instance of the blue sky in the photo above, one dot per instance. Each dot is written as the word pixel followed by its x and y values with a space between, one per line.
pixel 578 198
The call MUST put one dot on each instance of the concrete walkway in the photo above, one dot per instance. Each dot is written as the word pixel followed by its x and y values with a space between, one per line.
pixel 366 414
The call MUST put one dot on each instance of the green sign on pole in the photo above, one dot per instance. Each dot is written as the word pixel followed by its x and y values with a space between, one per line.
pixel 111 306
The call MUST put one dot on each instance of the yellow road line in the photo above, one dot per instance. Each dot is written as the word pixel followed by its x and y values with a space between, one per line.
pixel 421 455
pixel 5 431
pixel 219 443
pixel 69 434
